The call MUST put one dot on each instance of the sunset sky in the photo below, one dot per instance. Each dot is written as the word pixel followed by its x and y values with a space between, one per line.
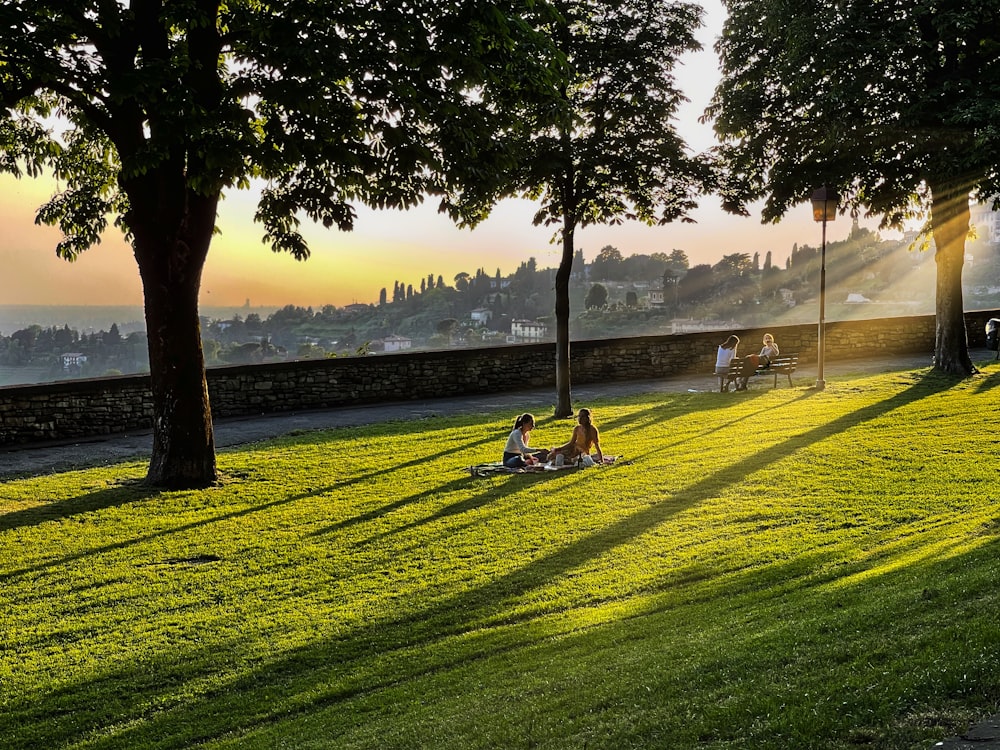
pixel 385 246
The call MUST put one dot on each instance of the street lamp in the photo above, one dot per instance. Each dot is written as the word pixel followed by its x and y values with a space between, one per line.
pixel 824 203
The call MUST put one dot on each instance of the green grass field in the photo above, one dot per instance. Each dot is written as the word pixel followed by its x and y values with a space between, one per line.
pixel 773 569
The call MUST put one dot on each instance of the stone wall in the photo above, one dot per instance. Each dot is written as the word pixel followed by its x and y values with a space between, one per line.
pixel 78 409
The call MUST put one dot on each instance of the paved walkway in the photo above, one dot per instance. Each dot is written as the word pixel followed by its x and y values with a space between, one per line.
pixel 53 457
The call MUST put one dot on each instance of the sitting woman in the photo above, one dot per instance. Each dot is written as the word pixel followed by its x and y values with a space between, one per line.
pixel 584 437
pixel 769 351
pixel 517 454
pixel 756 361
pixel 724 358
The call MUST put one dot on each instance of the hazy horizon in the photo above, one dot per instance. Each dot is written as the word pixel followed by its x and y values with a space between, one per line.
pixel 93 318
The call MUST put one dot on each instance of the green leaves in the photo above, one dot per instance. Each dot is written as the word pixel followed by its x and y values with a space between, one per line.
pixel 875 98
pixel 331 102
pixel 605 150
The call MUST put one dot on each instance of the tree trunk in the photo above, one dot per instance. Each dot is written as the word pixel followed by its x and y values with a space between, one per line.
pixel 564 400
pixel 170 248
pixel 950 225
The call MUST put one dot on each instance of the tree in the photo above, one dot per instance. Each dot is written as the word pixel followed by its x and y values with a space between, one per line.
pixel 884 102
pixel 735 265
pixel 607 264
pixel 167 105
pixel 597 297
pixel 446 328
pixel 678 261
pixel 696 285
pixel 613 153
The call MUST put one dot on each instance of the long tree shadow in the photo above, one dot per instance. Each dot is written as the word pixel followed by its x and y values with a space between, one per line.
pixel 383 510
pixel 987 381
pixel 132 492
pixel 10 575
pixel 310 670
pixel 491 495
pixel 60 510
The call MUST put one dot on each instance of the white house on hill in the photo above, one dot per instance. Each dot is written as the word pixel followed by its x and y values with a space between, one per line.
pixel 396 343
pixel 528 330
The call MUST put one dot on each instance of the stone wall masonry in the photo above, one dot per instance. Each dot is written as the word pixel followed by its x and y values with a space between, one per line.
pixel 80 409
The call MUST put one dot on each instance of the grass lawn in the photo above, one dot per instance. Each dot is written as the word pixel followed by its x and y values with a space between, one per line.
pixel 772 569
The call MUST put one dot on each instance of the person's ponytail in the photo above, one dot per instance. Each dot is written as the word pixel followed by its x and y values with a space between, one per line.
pixel 526 417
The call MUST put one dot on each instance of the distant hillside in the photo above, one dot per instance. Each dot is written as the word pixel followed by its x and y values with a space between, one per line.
pixel 91 318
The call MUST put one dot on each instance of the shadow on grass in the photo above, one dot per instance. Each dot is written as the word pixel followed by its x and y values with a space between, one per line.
pixel 133 492
pixel 10 575
pixel 989 380
pixel 477 501
pixel 60 510
pixel 334 670
pixel 492 494
pixel 671 406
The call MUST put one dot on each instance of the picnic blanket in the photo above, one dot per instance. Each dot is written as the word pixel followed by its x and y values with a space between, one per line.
pixel 497 467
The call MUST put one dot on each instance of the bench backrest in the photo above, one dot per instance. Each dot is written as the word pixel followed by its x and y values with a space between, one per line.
pixel 785 363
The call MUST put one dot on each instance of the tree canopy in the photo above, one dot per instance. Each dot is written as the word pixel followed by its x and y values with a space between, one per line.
pixel 893 104
pixel 164 106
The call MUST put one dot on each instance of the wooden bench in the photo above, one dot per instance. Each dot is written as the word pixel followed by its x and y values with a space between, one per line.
pixel 739 366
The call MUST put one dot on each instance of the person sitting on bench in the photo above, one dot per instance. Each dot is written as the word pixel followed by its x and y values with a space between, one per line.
pixel 724 358
pixel 756 361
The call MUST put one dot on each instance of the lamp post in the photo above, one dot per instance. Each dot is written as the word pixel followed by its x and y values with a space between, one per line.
pixel 824 202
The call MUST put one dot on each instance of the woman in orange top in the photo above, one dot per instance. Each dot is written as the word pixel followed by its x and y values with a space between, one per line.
pixel 585 436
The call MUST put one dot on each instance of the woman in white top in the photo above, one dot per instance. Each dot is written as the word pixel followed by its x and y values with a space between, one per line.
pixel 517 453
pixel 724 358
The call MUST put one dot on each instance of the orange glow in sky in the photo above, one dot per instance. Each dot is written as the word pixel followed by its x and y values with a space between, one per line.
pixel 385 246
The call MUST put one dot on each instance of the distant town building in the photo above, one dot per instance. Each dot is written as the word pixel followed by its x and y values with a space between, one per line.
pixel 656 298
pixel 396 343
pixel 986 221
pixel 73 360
pixel 481 315
pixel 528 330
pixel 694 325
